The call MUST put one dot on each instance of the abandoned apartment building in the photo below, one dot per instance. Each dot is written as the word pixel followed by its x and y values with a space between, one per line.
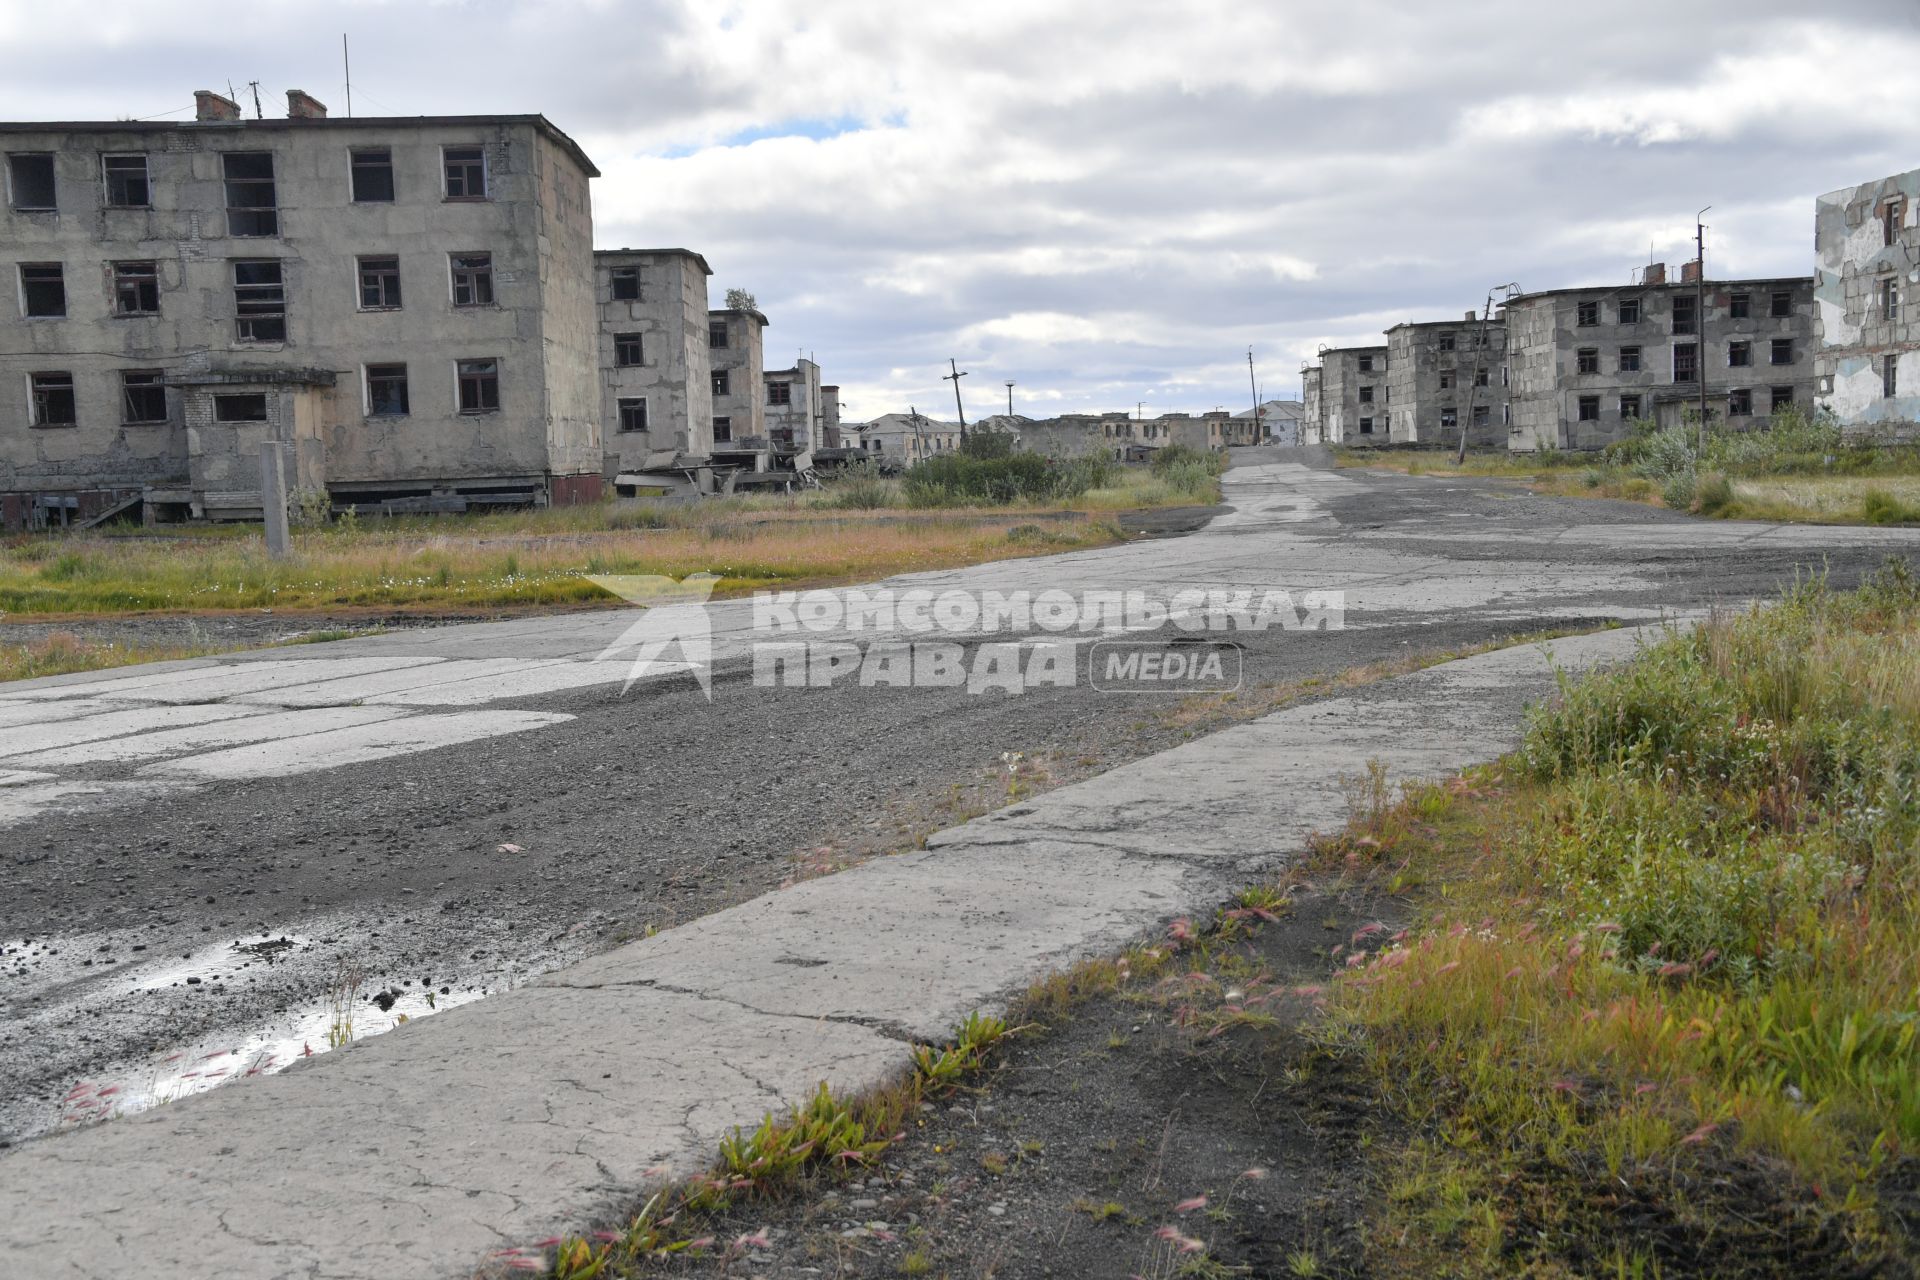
pixel 1866 282
pixel 1445 375
pixel 411 306
pixel 1354 396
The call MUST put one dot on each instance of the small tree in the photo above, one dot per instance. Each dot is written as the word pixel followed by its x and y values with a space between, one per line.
pixel 741 300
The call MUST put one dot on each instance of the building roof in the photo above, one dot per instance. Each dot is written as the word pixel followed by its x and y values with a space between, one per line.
pixel 1437 324
pixel 1638 286
pixel 655 253
pixel 737 311
pixel 1334 351
pixel 538 122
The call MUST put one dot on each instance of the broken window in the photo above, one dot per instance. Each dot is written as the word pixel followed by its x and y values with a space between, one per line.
pixel 1740 306
pixel 1630 311
pixel 781 393
pixel 716 333
pixel 1366 426
pixel 722 430
pixel 1782 303
pixel 380 284
pixel 126 178
pixel 1446 342
pixel 259 301
pixel 721 382
pixel 1587 360
pixel 243 406
pixel 1629 408
pixel 387 391
pixel 627 349
pixel 1739 354
pixel 1366 364
pixel 43 289
pixel 53 402
pixel 1686 362
pixel 143 397
pixel 626 284
pixel 136 288
pixel 1366 395
pixel 1892 213
pixel 1449 417
pixel 1890 298
pixel 479 386
pixel 1739 403
pixel 373 176
pixel 1482 415
pixel 466 172
pixel 472 279
pixel 633 413
pixel 1629 359
pixel 1587 313
pixel 1782 398
pixel 1446 379
pixel 1683 313
pixel 1889 376
pixel 252 202
pixel 1479 377
pixel 1589 408
pixel 30 180
pixel 1783 351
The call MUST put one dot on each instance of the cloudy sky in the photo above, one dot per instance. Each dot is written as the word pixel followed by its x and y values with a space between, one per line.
pixel 1106 202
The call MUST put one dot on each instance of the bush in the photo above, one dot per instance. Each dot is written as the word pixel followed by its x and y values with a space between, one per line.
pixel 954 479
pixel 1179 455
pixel 1713 494
pixel 1877 506
pixel 1677 492
pixel 983 443
pixel 860 488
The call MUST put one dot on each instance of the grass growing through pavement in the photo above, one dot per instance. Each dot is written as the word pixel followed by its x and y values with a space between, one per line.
pixel 1660 1014
pixel 1795 469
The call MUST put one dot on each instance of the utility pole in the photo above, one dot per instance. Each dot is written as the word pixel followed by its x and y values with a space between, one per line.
pixel 1254 387
pixel 346 65
pixel 954 378
pixel 258 114
pixel 1479 354
pixel 1009 404
pixel 1700 317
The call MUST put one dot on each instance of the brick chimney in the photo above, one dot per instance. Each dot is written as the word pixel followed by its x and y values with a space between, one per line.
pixel 1472 315
pixel 1690 271
pixel 1655 273
pixel 208 105
pixel 302 105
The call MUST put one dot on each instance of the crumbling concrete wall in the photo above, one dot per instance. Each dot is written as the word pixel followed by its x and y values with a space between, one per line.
pixel 1313 421
pixel 1355 395
pixel 1432 371
pixel 674 376
pixel 794 425
pixel 1857 260
pixel 569 317
pixel 743 361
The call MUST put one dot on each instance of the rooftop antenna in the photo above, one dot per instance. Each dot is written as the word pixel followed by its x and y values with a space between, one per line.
pixel 258 114
pixel 346 65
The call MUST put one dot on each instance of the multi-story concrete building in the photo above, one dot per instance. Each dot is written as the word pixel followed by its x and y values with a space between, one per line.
pixel 1586 364
pixel 1313 420
pixel 1435 368
pixel 736 351
pixel 899 440
pixel 406 304
pixel 795 410
pixel 830 433
pixel 656 390
pixel 1354 395
pixel 1866 288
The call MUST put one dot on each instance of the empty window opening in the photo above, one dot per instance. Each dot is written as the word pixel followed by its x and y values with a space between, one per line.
pixel 143 397
pixel 1740 306
pixel 479 386
pixel 1739 354
pixel 379 284
pixel 1589 408
pixel 721 383
pixel 1782 398
pixel 127 185
pixel 723 431
pixel 1629 408
pixel 1683 313
pixel 252 202
pixel 53 400
pixel 1479 377
pixel 43 289
pixel 781 393
pixel 1630 311
pixel 627 350
pixel 633 413
pixel 466 172
pixel 1446 380
pixel 716 334
pixel 1782 303
pixel 1446 342
pixel 1587 360
pixel 472 279
pixel 1783 351
pixel 1892 214
pixel 243 406
pixel 1890 298
pixel 373 176
pixel 136 288
pixel 1366 395
pixel 1449 417
pixel 1366 426
pixel 1366 364
pixel 1587 313
pixel 1686 362
pixel 259 302
pixel 626 284
pixel 1629 359
pixel 1739 403
pixel 387 391
pixel 30 180
pixel 1889 376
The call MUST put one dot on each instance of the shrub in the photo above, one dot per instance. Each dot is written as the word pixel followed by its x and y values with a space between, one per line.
pixel 1179 455
pixel 984 443
pixel 860 488
pixel 1677 492
pixel 1712 494
pixel 1877 506
pixel 954 479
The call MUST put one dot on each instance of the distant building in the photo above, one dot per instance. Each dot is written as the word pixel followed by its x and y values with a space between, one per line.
pixel 1354 396
pixel 655 377
pixel 1586 364
pixel 1279 421
pixel 736 356
pixel 405 304
pixel 830 433
pixel 1436 369
pixel 794 408
pixel 1313 418
pixel 1866 289
pixel 902 439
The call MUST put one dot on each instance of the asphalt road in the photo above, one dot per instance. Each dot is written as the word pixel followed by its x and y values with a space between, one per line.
pixel 211 865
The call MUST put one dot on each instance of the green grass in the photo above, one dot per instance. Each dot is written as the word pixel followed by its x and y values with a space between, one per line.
pixel 1665 988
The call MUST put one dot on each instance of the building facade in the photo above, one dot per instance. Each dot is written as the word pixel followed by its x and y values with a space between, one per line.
pixel 656 390
pixel 406 304
pixel 1313 421
pixel 1586 364
pixel 795 408
pixel 1866 285
pixel 1444 375
pixel 736 352
pixel 1354 396
pixel 898 440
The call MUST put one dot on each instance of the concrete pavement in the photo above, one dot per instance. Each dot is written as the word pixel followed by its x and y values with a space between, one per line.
pixel 562 1103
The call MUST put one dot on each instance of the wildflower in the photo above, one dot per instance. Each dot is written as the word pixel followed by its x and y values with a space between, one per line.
pixel 1188 1206
pixel 1514 972
pixel 758 1240
pixel 1448 967
pixel 1699 1135
pixel 1255 1174
pixel 1673 969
